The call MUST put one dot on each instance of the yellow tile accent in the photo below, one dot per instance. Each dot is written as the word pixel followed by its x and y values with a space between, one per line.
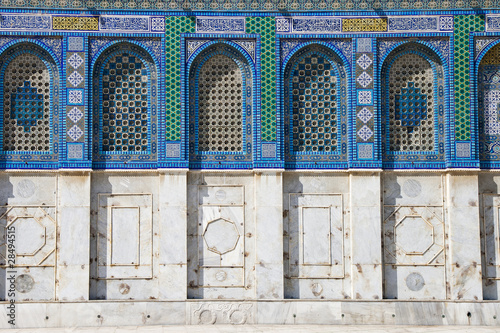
pixel 364 24
pixel 82 23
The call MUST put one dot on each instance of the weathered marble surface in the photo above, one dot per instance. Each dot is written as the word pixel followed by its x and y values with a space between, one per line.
pixel 262 246
pixel 223 312
pixel 271 328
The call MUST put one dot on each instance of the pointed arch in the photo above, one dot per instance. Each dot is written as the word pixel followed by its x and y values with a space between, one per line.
pixel 488 100
pixel 125 102
pixel 315 104
pixel 221 104
pixel 30 86
pixel 413 104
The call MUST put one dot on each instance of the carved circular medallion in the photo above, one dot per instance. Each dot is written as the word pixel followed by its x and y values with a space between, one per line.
pixel 220 195
pixel 207 317
pixel 415 281
pixel 238 317
pixel 220 276
pixel 316 289
pixel 26 188
pixel 124 289
pixel 24 283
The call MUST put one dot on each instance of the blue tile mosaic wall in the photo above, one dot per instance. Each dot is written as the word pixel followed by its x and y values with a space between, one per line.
pixel 337 104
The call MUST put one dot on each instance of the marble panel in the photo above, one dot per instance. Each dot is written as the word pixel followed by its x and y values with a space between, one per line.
pixel 221 234
pixel 139 278
pixel 172 272
pixel 413 189
pixel 329 280
pixel 23 189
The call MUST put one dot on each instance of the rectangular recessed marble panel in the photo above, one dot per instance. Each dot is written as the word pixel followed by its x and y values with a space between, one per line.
pixel 124 246
pixel 316 235
pixel 125 233
pixel 315 227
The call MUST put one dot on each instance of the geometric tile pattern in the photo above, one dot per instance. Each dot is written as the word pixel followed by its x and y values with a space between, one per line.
pixel 364 24
pixel 26 105
pixel 365 151
pixel 246 6
pixel 76 44
pixel 463 25
pixel 364 45
pixel 364 61
pixel 488 103
pixel 77 23
pixel 75 133
pixel 365 97
pixel 463 149
pixel 265 26
pixel 364 79
pixel 413 105
pixel 75 60
pixel 314 106
pixel 268 150
pixel 125 101
pixel 175 25
pixel 124 104
pixel 365 123
pixel 75 114
pixel 365 115
pixel 75 96
pixel 75 71
pixel 75 79
pixel 75 151
pixel 365 133
pixel 220 106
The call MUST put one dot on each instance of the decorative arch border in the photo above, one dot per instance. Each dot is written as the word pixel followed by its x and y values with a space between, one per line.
pixel 476 134
pixel 101 159
pixel 342 70
pixel 251 124
pixel 8 53
pixel 437 158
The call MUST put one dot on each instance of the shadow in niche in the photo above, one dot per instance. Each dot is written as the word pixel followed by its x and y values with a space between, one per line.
pixel 391 192
pixel 489 245
pixel 6 192
pixel 98 253
pixel 195 243
pixel 292 284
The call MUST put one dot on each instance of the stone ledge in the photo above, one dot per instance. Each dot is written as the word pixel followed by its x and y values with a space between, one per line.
pixel 300 312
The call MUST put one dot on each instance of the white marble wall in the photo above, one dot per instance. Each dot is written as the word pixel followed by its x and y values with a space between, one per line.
pixel 317 261
pixel 415 232
pixel 252 235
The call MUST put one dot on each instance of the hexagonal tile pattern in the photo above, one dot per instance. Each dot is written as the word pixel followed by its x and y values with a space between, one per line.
pixel 221 236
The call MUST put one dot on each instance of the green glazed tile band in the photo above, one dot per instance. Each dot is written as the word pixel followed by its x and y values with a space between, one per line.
pixel 265 26
pixel 174 27
pixel 463 25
